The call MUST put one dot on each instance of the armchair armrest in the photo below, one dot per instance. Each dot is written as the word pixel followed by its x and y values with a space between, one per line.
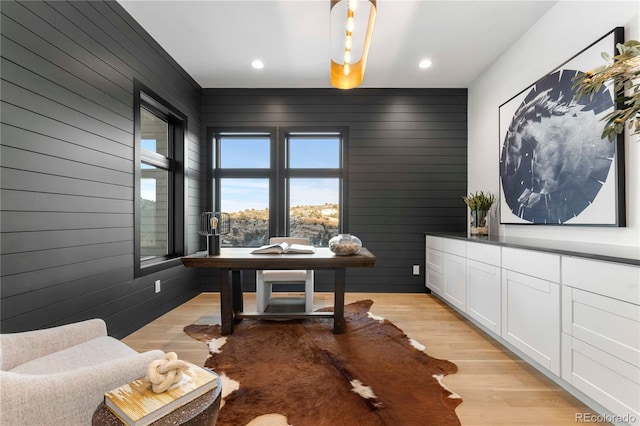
pixel 70 397
pixel 18 348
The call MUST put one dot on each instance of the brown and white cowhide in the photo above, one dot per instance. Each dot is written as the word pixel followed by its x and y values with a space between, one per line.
pixel 300 373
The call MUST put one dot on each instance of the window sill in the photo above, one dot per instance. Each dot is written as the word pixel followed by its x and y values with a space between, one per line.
pixel 156 265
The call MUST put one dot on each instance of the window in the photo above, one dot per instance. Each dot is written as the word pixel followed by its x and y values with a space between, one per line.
pixel 278 182
pixel 313 178
pixel 159 190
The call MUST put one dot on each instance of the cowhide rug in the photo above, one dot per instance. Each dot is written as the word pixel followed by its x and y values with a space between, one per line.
pixel 299 373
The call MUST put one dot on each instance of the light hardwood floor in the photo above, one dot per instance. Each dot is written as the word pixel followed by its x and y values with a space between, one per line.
pixel 497 387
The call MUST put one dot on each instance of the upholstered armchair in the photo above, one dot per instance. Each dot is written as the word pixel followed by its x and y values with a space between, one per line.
pixel 58 376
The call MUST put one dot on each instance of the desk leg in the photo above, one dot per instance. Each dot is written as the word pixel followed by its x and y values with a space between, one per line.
pixel 236 285
pixel 226 302
pixel 338 301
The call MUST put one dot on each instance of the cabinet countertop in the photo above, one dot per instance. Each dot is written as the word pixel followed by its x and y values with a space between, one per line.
pixel 629 255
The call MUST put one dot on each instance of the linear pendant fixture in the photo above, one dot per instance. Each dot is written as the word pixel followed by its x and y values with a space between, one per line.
pixel 351 30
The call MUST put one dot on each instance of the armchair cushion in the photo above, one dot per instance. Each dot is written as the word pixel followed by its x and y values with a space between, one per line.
pixel 96 351
pixel 18 348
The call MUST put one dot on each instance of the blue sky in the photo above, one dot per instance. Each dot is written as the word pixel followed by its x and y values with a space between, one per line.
pixel 241 194
pixel 244 194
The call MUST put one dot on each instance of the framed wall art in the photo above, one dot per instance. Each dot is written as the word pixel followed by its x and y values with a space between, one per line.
pixel 555 169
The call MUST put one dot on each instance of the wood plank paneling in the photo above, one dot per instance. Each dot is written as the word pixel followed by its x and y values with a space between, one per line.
pixel 407 165
pixel 67 165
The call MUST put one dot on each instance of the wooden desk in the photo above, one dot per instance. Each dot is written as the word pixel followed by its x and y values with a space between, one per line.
pixel 231 261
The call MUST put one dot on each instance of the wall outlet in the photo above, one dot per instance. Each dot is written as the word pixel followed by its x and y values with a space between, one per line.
pixel 157 286
pixel 416 269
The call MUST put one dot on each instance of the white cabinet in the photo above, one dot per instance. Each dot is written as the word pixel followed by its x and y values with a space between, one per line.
pixel 446 269
pixel 531 305
pixel 601 332
pixel 484 285
pixel 575 317
pixel 435 265
pixel 455 273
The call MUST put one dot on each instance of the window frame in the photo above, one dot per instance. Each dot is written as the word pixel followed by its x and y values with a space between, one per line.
pixel 174 163
pixel 341 173
pixel 279 173
pixel 215 173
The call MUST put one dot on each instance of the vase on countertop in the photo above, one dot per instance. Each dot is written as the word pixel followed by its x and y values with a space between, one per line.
pixel 479 222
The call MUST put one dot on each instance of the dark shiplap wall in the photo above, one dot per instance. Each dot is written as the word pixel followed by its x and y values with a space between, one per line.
pixel 67 204
pixel 408 164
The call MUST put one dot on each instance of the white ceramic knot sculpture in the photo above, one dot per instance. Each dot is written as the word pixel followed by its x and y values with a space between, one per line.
pixel 162 373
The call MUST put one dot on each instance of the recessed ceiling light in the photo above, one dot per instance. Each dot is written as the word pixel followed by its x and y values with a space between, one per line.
pixel 257 64
pixel 424 64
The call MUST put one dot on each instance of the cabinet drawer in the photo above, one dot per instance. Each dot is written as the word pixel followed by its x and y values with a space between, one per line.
pixel 609 279
pixel 529 262
pixel 434 242
pixel 457 247
pixel 435 260
pixel 435 282
pixel 608 380
pixel 484 253
pixel 605 323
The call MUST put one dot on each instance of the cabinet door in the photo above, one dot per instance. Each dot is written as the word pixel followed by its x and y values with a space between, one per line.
pixel 484 294
pixel 455 280
pixel 531 317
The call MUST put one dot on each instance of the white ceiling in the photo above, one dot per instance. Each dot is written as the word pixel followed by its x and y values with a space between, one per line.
pixel 216 41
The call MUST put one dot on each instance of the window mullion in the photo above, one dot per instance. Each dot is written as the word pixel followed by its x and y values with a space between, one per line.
pixel 280 169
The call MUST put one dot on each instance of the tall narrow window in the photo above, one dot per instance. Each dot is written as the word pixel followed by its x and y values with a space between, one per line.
pixel 159 187
pixel 155 185
pixel 278 183
pixel 314 172
pixel 242 185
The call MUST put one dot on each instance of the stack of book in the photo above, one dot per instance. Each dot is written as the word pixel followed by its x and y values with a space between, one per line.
pixel 136 404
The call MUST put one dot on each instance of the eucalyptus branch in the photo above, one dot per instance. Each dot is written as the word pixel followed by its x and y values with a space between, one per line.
pixel 624 71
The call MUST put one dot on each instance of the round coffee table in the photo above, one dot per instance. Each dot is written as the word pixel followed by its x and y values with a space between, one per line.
pixel 202 411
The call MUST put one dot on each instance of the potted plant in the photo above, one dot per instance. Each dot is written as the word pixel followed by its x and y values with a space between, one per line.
pixel 624 71
pixel 479 203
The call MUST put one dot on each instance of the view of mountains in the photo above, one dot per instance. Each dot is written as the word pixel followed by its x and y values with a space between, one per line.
pixel 251 227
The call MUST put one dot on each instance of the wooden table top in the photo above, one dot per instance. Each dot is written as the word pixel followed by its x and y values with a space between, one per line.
pixel 242 258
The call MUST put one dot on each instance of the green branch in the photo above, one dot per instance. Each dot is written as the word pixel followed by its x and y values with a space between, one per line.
pixel 624 71
pixel 480 201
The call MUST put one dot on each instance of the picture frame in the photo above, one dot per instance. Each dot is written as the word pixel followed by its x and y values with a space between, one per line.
pixel 555 169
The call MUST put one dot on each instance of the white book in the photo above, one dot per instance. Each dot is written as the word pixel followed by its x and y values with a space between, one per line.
pixel 284 248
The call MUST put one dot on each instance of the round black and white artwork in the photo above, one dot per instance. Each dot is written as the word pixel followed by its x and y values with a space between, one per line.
pixel 554 162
